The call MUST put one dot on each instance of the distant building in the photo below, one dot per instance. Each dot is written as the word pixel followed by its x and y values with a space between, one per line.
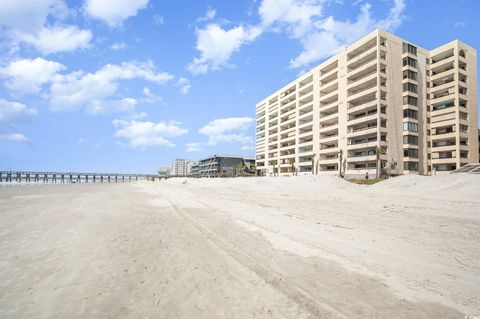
pixel 164 171
pixel 181 167
pixel 225 166
pixel 194 169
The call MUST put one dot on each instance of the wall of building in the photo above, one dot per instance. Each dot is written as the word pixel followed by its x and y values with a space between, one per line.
pixel 353 104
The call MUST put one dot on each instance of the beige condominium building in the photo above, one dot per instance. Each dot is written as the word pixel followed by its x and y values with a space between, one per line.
pixel 416 108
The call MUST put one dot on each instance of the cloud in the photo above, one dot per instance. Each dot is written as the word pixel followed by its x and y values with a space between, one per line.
pixel 216 45
pixel 158 19
pixel 150 98
pixel 293 15
pixel 98 92
pixel 119 46
pixel 141 135
pixel 331 36
pixel 328 36
pixel 29 15
pixel 211 13
pixel 27 76
pixel 57 39
pixel 460 24
pixel 304 21
pixel 228 130
pixel 25 22
pixel 184 85
pixel 194 147
pixel 114 12
pixel 12 112
pixel 15 137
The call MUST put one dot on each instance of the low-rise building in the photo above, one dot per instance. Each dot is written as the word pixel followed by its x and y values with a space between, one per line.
pixel 164 171
pixel 195 169
pixel 225 166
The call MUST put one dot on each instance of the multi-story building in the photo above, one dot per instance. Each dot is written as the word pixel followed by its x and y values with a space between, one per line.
pixel 416 108
pixel 195 169
pixel 225 166
pixel 181 167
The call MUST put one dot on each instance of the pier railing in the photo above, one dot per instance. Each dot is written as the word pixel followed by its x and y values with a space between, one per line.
pixel 72 177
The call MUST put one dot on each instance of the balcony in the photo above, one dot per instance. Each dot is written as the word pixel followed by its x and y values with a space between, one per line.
pixel 330 79
pixel 288 126
pixel 287 92
pixel 368 83
pixel 306 100
pixel 328 69
pixel 367 142
pixel 305 120
pixel 362 72
pixel 365 117
pixel 329 98
pixel 439 94
pixel 364 130
pixel 305 130
pixel 305 82
pixel 329 137
pixel 441 70
pixel 306 110
pixel 364 95
pixel 362 158
pixel 306 91
pixel 448 78
pixel 363 50
pixel 439 58
pixel 329 119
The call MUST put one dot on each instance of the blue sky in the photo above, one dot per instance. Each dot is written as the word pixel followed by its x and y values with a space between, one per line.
pixel 128 85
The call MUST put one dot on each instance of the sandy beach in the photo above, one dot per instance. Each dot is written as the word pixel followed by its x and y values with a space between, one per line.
pixel 296 247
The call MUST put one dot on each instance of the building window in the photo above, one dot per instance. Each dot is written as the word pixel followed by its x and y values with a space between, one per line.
pixel 410 152
pixel 409 61
pixel 410 126
pixel 410 113
pixel 409 87
pixel 409 74
pixel 444 105
pixel 409 48
pixel 410 100
pixel 410 139
pixel 410 166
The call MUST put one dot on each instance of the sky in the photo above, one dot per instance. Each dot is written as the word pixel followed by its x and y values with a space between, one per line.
pixel 129 85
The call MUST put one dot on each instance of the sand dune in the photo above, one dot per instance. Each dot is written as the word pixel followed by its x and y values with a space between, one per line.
pixel 297 247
